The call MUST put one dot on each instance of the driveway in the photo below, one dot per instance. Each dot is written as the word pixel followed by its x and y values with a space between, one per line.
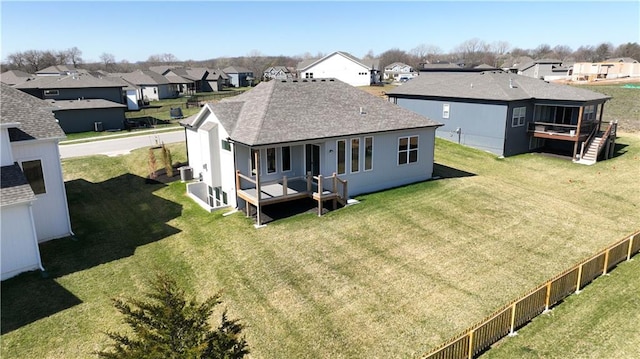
pixel 119 146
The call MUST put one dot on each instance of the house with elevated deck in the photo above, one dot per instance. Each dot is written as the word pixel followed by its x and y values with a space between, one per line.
pixel 509 114
pixel 309 138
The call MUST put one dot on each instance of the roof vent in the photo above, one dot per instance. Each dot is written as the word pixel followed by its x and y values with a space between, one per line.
pixel 471 85
pixel 511 83
pixel 362 111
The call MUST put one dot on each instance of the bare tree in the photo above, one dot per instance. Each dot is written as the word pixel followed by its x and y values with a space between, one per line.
pixel 75 56
pixel 108 60
pixel 542 51
pixel 562 51
pixel 603 51
pixel 425 53
pixel 630 49
pixel 585 54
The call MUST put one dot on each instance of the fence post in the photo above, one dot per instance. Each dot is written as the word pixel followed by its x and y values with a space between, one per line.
pixel 513 320
pixel 579 278
pixel 606 262
pixel 630 246
pixel 471 344
pixel 547 297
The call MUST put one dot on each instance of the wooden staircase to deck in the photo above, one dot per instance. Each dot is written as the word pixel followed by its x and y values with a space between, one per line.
pixel 600 141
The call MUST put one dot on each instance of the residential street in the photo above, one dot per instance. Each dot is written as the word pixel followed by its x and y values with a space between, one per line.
pixel 119 146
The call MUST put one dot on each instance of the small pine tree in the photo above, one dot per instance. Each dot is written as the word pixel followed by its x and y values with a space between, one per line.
pixel 167 326
pixel 166 158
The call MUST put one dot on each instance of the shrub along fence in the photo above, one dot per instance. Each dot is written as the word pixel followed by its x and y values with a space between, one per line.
pixel 516 314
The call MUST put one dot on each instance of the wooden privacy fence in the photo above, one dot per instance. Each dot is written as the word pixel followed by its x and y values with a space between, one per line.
pixel 506 320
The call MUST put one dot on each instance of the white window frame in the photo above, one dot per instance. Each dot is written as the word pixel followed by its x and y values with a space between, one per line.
pixel 283 161
pixel 446 108
pixel 409 150
pixel 267 161
pixel 518 116
pixel 338 157
pixel 365 154
pixel 357 158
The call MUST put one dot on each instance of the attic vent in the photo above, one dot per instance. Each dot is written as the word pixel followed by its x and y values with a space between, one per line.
pixel 362 111
pixel 313 80
pixel 285 81
pixel 331 80
pixel 291 81
pixel 305 80
pixel 323 80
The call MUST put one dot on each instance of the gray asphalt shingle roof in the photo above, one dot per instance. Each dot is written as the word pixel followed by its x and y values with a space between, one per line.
pixel 298 110
pixel 236 70
pixel 144 77
pixel 71 81
pixel 13 77
pixel 492 86
pixel 84 104
pixel 14 187
pixel 35 116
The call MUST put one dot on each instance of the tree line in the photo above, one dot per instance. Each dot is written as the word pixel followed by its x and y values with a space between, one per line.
pixel 471 52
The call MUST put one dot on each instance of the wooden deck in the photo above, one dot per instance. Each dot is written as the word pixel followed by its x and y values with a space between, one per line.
pixel 286 189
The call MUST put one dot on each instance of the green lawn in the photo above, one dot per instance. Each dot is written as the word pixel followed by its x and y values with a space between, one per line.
pixel 393 276
pixel 624 106
pixel 601 322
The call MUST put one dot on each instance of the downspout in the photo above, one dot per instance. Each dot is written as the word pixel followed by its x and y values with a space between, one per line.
pixel 35 237
pixel 186 143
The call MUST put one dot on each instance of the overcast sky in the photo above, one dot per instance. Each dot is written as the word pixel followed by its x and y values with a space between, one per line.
pixel 210 29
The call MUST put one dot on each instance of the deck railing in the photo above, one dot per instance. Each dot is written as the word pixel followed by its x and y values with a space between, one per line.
pixel 507 319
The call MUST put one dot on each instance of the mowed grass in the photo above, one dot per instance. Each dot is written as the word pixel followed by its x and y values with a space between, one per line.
pixel 600 322
pixel 393 276
pixel 623 107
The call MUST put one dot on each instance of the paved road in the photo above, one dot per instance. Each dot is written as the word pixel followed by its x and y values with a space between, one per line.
pixel 119 146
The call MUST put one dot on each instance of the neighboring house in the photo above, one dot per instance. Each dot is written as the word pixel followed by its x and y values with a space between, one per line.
pixel 73 87
pixel 438 66
pixel 290 139
pixel 508 114
pixel 132 93
pixel 200 79
pixel 239 76
pixel 546 69
pixel 89 115
pixel 609 69
pixel 82 102
pixel 153 86
pixel 217 79
pixel 277 73
pixel 61 70
pixel 342 66
pixel 15 77
pixel 398 71
pixel 33 200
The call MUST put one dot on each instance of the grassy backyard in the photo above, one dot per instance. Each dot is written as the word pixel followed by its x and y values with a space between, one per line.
pixel 624 106
pixel 600 322
pixel 392 276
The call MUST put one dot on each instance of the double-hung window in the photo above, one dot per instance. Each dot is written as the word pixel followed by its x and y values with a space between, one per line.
pixel 518 117
pixel 342 156
pixel 286 158
pixel 271 160
pixel 368 153
pixel 355 155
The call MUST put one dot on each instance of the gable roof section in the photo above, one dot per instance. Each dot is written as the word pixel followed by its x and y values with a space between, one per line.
pixel 13 77
pixel 144 77
pixel 299 110
pixel 236 70
pixel 71 81
pixel 492 86
pixel 14 187
pixel 35 116
pixel 304 65
pixel 58 69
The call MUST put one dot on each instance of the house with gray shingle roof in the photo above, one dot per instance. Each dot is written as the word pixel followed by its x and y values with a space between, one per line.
pixel 317 138
pixel 61 70
pixel 33 200
pixel 72 87
pixel 508 114
pixel 239 76
pixel 277 73
pixel 81 103
pixel 546 69
pixel 342 66
pixel 152 85
pixel 14 77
